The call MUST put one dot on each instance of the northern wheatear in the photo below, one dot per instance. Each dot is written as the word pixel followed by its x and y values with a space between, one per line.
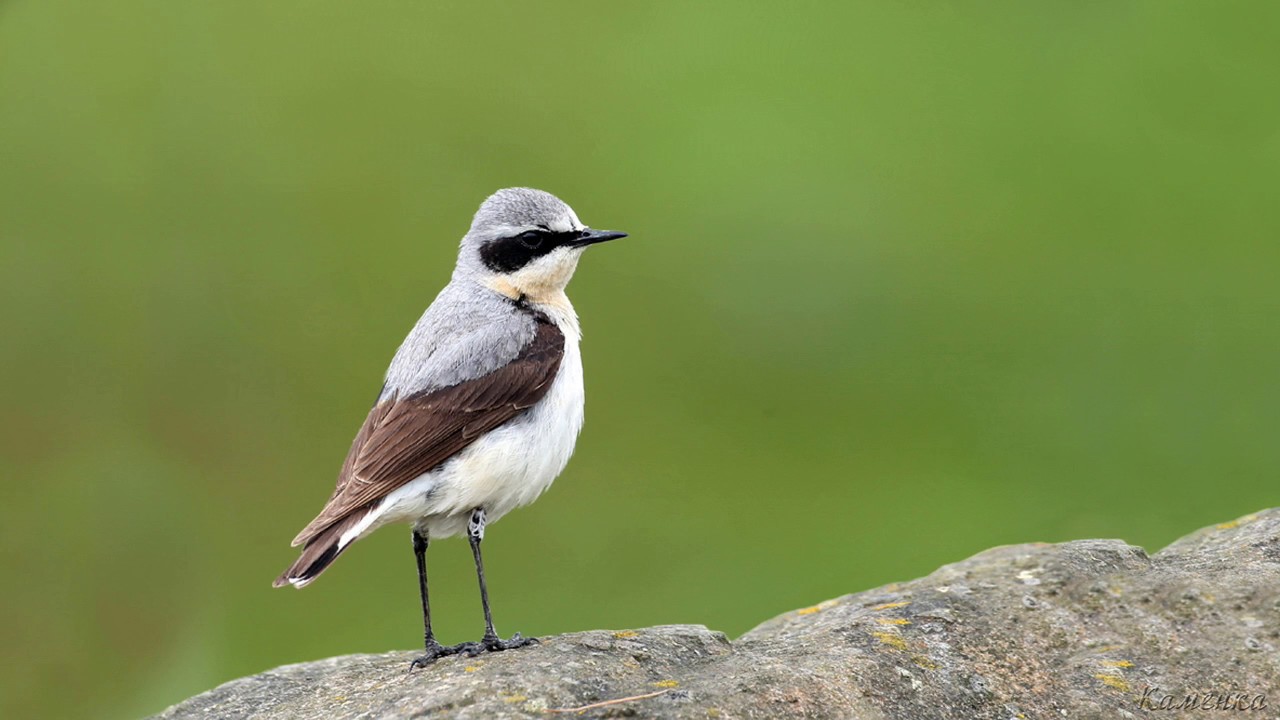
pixel 481 406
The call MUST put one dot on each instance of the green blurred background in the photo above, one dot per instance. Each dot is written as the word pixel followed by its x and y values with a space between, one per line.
pixel 905 281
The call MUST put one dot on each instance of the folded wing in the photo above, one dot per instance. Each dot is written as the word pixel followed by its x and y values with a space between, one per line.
pixel 405 437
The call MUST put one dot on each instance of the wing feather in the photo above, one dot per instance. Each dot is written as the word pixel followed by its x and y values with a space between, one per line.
pixel 403 438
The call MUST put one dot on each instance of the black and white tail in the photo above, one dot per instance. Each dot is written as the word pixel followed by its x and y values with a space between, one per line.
pixel 319 552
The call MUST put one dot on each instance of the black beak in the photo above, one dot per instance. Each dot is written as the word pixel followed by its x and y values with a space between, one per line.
pixel 591 237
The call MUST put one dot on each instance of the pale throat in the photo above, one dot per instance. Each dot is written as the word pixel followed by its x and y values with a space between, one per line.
pixel 542 286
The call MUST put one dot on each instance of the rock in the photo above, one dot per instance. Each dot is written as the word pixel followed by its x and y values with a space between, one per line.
pixel 1087 629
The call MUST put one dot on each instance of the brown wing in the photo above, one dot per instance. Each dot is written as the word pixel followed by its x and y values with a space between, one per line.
pixel 403 438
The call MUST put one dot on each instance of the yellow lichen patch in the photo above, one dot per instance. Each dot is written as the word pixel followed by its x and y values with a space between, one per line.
pixel 626 634
pixel 513 699
pixel 667 684
pixel 713 712
pixel 471 668
pixel 889 606
pixel 340 698
pixel 1237 523
pixel 1117 663
pixel 924 662
pixel 818 608
pixel 890 639
pixel 1113 681
pixel 893 621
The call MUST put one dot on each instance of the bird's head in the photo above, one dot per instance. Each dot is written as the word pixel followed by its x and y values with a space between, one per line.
pixel 526 243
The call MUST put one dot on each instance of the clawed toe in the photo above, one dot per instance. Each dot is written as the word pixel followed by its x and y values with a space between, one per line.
pixel 470 649
pixel 496 643
pixel 434 653
pixel 486 644
pixel 493 643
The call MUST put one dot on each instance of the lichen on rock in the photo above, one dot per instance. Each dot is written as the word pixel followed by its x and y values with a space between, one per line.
pixel 1085 629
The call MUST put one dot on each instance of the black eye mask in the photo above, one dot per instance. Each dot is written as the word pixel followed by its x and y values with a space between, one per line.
pixel 509 254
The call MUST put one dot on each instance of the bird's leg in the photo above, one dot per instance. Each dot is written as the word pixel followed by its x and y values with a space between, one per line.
pixel 490 641
pixel 435 650
pixel 475 533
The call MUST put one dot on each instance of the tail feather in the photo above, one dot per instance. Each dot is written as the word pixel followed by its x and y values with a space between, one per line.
pixel 319 553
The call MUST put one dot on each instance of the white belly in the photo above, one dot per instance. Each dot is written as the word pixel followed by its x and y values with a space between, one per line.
pixel 503 470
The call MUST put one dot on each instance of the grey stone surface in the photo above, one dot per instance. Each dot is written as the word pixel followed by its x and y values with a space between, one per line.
pixel 1087 629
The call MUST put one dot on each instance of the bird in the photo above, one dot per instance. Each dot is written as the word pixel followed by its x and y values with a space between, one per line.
pixel 480 407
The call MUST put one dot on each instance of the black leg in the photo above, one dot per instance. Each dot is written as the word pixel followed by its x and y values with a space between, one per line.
pixel 490 641
pixel 475 533
pixel 435 650
pixel 420 552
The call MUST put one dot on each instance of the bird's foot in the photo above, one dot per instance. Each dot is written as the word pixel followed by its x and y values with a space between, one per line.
pixel 434 652
pixel 489 643
pixel 493 643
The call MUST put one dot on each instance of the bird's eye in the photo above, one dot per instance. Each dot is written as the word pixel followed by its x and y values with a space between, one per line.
pixel 531 239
